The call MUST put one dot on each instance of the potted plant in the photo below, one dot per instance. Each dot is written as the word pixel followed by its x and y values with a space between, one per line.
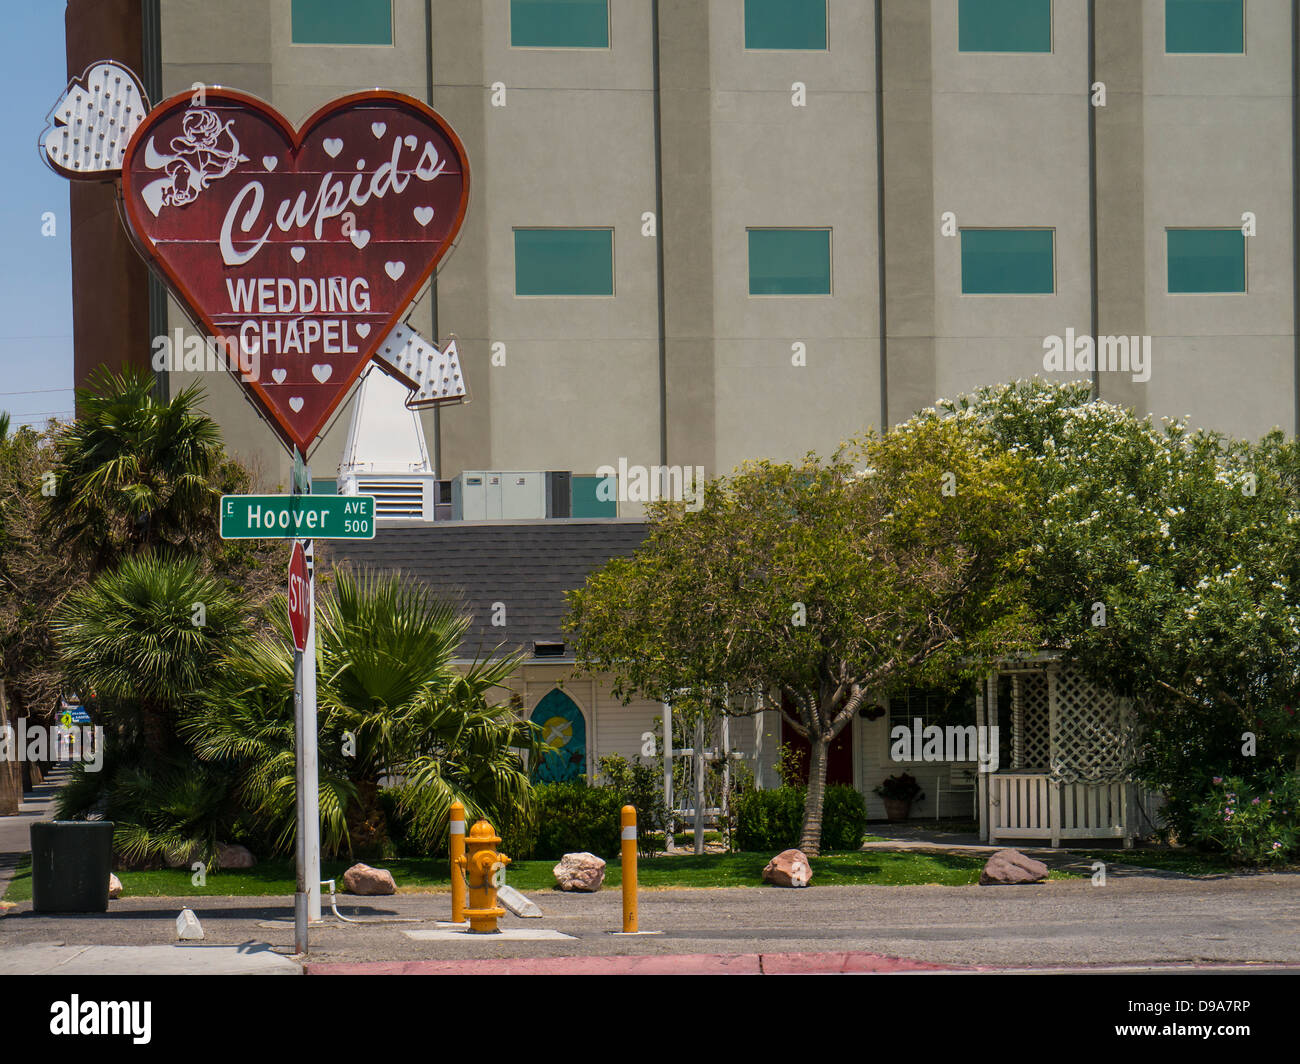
pixel 899 792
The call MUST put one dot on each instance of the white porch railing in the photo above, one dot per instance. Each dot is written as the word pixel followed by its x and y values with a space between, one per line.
pixel 1032 805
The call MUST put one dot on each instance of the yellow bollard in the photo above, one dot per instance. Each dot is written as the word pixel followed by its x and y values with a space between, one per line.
pixel 629 870
pixel 457 863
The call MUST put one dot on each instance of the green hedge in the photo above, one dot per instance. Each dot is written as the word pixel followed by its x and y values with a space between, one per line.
pixel 567 818
pixel 770 821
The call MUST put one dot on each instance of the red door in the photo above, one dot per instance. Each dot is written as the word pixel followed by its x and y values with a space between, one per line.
pixel 839 760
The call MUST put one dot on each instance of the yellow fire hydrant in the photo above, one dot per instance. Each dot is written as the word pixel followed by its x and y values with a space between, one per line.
pixel 485 871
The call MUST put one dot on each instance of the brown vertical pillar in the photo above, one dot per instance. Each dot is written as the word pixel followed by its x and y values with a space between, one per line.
pixel 110 283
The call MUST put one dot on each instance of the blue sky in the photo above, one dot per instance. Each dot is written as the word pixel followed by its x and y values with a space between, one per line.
pixel 36 285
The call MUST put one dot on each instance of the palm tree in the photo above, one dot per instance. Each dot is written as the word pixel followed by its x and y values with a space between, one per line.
pixel 133 472
pixel 392 709
pixel 145 637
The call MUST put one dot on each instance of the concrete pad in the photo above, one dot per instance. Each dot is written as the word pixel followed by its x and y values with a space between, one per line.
pixel 255 958
pixel 513 934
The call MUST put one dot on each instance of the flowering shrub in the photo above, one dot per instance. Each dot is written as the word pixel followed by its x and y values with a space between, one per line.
pixel 1255 822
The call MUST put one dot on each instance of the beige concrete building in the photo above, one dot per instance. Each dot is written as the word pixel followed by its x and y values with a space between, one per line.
pixel 702 231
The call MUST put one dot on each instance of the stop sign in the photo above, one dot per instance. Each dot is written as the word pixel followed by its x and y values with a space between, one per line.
pixel 299 596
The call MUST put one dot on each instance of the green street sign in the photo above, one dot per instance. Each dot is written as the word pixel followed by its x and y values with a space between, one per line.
pixel 297 517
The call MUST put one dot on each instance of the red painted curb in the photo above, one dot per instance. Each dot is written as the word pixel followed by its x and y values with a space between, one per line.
pixel 829 963
pixel 680 964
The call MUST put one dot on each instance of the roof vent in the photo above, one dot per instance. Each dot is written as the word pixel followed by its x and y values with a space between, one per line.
pixel 547 649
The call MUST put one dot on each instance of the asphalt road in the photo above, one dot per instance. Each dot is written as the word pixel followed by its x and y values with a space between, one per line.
pixel 1134 919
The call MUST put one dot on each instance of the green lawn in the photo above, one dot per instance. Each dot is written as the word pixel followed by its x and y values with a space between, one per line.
pixel 709 870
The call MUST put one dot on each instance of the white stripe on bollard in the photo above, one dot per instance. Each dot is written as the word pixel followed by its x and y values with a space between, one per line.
pixel 458 827
pixel 629 833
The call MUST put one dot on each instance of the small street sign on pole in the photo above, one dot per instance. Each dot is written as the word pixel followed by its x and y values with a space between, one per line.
pixel 300 603
pixel 298 516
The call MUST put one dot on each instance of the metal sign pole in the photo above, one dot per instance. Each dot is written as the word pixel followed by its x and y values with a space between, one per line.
pixel 306 902
pixel 300 912
pixel 311 783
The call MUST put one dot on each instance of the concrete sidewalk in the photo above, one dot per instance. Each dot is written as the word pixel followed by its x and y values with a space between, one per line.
pixel 15 831
pixel 1132 922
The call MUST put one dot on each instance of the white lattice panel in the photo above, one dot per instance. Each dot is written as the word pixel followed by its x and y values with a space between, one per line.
pixel 1093 737
pixel 1032 738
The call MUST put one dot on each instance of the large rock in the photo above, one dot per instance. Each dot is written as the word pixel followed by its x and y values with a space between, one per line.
pixel 1012 866
pixel 579 871
pixel 232 855
pixel 789 868
pixel 114 886
pixel 362 879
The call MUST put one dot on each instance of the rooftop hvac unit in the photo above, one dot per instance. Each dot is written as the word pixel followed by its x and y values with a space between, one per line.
pixel 397 497
pixel 488 495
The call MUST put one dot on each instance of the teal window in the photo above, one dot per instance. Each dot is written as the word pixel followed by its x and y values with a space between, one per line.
pixel 786 25
pixel 1004 25
pixel 342 22
pixel 564 262
pixel 997 262
pixel 1205 26
pixel 1206 260
pixel 789 262
pixel 588 500
pixel 559 23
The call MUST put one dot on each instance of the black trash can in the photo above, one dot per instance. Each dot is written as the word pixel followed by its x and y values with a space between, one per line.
pixel 71 863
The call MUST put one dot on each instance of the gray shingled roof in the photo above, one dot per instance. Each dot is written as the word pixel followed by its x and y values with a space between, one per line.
pixel 526 565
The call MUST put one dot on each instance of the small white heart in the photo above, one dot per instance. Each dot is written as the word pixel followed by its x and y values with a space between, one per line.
pixel 378 128
pixel 333 145
pixel 395 269
pixel 278 375
pixel 410 141
pixel 363 330
pixel 322 372
pixel 295 404
pixel 423 215
pixel 270 162
pixel 360 237
pixel 298 252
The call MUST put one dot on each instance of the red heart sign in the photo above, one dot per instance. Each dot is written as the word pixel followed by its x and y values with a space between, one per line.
pixel 297 250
